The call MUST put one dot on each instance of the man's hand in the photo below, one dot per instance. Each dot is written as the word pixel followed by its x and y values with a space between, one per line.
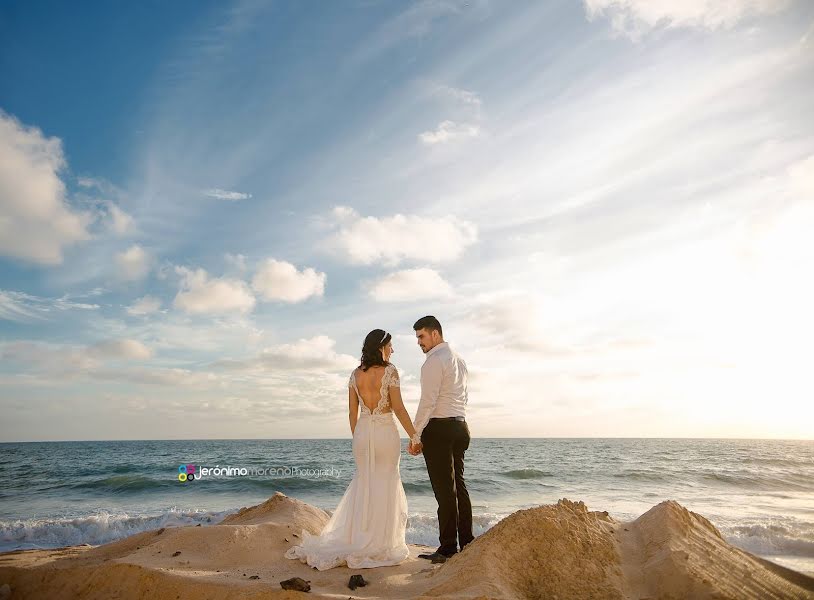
pixel 415 449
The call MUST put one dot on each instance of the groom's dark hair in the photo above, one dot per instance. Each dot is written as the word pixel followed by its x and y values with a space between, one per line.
pixel 429 323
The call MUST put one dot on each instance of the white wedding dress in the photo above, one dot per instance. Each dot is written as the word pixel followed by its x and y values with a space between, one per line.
pixel 367 529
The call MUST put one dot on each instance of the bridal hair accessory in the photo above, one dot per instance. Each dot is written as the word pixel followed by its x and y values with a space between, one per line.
pixel 384 336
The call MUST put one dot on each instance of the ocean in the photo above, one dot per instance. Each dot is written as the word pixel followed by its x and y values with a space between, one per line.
pixel 758 493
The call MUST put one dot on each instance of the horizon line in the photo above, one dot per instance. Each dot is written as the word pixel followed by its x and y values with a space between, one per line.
pixel 405 439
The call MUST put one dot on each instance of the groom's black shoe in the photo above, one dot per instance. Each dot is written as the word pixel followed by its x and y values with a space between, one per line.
pixel 435 557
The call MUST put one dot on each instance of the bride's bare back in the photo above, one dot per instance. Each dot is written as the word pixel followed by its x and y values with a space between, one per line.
pixel 369 384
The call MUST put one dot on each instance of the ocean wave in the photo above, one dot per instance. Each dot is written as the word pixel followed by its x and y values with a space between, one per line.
pixel 126 468
pixel 769 539
pixel 778 462
pixel 754 481
pixel 640 476
pixel 96 529
pixel 105 527
pixel 409 486
pixel 119 484
pixel 422 528
pixel 527 474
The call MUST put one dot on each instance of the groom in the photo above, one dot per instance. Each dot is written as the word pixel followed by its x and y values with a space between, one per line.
pixel 441 426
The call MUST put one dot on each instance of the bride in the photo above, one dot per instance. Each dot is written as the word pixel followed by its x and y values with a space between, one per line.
pixel 367 529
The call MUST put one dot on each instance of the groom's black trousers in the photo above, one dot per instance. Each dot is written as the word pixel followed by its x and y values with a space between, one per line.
pixel 444 441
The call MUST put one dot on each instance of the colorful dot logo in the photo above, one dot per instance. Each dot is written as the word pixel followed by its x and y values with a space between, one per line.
pixel 186 473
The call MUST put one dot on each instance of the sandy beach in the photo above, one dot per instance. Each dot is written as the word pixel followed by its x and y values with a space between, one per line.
pixel 559 550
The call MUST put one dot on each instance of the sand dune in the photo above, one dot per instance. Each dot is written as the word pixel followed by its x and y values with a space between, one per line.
pixel 551 551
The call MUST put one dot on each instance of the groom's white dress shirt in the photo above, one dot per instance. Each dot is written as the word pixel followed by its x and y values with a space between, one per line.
pixel 443 386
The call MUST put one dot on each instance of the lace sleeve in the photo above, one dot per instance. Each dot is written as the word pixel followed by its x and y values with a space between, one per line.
pixel 350 379
pixel 394 378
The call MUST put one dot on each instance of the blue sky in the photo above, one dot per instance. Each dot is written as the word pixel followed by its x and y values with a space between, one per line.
pixel 204 208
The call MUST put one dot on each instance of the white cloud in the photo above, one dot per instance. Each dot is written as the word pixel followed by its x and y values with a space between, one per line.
pixel 280 280
pixel 226 195
pixel 448 131
pixel 122 348
pixel 634 17
pixel 366 240
pixel 133 264
pixel 312 354
pixel 106 210
pixel 47 356
pixel 176 331
pixel 120 222
pixel 60 364
pixel 411 285
pixel 70 359
pixel 144 306
pixel 36 223
pixel 170 377
pixel 201 295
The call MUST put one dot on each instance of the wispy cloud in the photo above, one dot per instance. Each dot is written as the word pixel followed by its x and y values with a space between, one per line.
pixel 635 17
pixel 226 195
pixel 105 199
pixel 22 307
pixel 144 306
pixel 413 23
pixel 448 131
pixel 13 307
pixel 467 97
pixel 238 261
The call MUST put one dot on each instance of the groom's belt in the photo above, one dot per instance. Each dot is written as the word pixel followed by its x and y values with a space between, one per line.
pixel 447 418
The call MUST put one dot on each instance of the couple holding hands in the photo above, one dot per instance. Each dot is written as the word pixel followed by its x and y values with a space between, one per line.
pixel 368 527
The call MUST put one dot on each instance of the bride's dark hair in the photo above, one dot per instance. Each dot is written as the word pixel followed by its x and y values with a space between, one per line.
pixel 371 349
